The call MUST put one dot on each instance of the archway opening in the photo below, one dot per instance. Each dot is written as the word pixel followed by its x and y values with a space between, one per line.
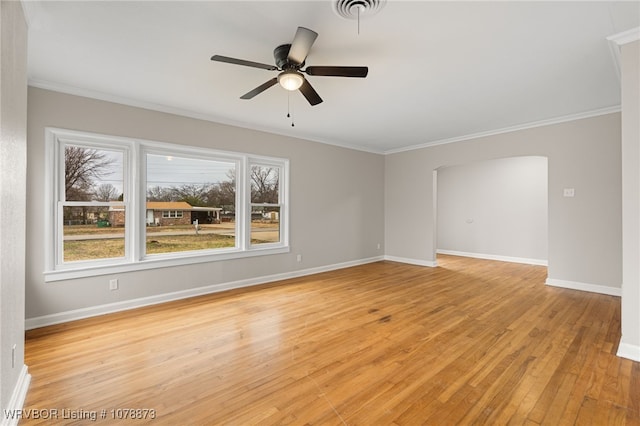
pixel 493 209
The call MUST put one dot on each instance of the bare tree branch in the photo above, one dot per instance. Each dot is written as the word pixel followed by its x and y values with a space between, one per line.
pixel 265 184
pixel 81 167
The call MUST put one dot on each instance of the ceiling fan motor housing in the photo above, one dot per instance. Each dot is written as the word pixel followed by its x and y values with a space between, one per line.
pixel 281 54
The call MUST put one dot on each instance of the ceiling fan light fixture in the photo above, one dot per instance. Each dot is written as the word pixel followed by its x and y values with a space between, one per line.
pixel 290 80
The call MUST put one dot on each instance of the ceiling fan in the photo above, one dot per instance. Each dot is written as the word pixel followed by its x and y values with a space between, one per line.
pixel 290 61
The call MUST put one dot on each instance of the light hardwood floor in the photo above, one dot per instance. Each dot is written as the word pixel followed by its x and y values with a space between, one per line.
pixel 469 342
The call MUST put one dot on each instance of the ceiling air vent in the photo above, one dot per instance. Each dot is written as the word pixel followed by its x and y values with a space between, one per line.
pixel 356 9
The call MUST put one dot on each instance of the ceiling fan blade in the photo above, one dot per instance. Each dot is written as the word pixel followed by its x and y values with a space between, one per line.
pixel 338 71
pixel 301 45
pixel 259 89
pixel 235 61
pixel 310 93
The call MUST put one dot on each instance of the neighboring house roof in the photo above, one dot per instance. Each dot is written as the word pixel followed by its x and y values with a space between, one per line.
pixel 168 205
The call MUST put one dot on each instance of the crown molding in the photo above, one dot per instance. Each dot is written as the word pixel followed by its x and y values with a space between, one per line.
pixel 615 42
pixel 625 37
pixel 524 126
pixel 92 94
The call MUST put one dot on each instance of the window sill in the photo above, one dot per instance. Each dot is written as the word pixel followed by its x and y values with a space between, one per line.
pixel 157 262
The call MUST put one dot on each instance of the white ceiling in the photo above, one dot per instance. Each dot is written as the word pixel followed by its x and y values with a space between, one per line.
pixel 437 70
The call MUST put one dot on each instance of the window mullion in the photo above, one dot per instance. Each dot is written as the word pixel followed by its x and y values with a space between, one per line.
pixel 137 197
pixel 245 202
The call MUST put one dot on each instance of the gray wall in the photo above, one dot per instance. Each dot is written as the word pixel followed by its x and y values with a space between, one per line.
pixel 494 208
pixel 13 165
pixel 584 244
pixel 630 342
pixel 336 201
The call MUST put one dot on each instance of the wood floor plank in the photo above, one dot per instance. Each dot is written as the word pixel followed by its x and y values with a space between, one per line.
pixel 468 342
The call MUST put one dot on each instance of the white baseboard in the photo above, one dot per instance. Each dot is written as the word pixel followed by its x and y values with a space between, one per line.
pixel 62 317
pixel 12 413
pixel 632 352
pixel 525 260
pixel 419 262
pixel 593 288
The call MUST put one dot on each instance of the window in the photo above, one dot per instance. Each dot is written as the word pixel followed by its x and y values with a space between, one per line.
pixel 198 186
pixel 171 213
pixel 121 204
pixel 91 207
pixel 265 203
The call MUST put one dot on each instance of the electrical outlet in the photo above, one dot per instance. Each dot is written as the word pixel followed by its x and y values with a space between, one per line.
pixel 299 258
pixel 378 246
pixel 113 284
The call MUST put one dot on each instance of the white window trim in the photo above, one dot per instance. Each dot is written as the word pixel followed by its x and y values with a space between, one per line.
pixel 283 196
pixel 135 202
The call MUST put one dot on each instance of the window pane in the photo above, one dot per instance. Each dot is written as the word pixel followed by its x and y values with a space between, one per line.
pixel 265 224
pixel 93 233
pixel 265 184
pixel 191 204
pixel 93 174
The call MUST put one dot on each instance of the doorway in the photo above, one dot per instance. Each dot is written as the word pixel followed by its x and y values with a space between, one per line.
pixel 493 209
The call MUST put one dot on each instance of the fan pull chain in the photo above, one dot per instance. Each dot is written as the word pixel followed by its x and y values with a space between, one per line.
pixel 292 125
pixel 359 7
pixel 290 109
